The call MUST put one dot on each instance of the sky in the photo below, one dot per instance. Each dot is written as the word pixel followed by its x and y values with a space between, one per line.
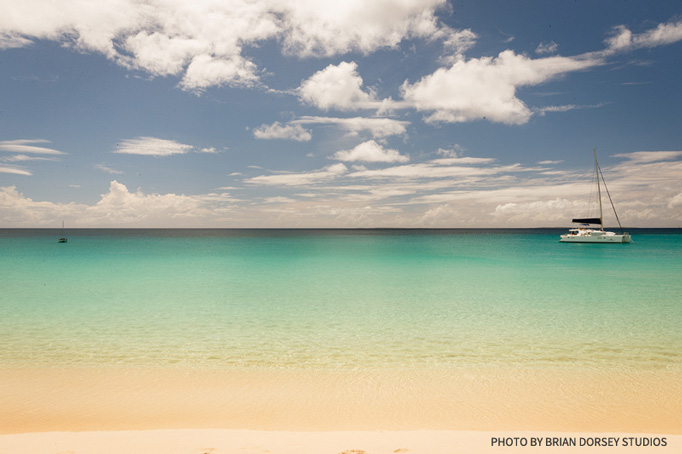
pixel 315 113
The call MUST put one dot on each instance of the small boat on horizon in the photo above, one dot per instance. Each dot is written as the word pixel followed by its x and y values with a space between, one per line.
pixel 584 233
pixel 63 239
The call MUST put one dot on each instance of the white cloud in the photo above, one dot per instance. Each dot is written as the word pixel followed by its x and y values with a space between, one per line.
pixel 278 200
pixel 485 88
pixel 14 170
pixel 456 171
pixel 565 108
pixel 455 151
pixel 21 146
pixel 24 146
pixel 456 43
pixel 336 87
pixel 206 71
pixel 279 131
pixel 447 192
pixel 548 211
pixel 550 162
pixel 16 210
pixel 676 201
pixel 161 54
pixel 202 41
pixel 547 48
pixel 370 151
pixel 23 158
pixel 465 160
pixel 623 39
pixel 107 169
pixel 151 146
pixel 9 41
pixel 377 127
pixel 326 28
pixel 300 179
pixel 650 156
pixel 435 170
pixel 120 206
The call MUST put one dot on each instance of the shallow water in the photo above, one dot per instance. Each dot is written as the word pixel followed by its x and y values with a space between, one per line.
pixel 330 299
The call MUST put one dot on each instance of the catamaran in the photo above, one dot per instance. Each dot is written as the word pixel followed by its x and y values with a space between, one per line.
pixel 584 233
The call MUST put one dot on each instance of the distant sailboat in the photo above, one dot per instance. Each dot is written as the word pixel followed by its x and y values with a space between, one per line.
pixel 63 239
pixel 584 233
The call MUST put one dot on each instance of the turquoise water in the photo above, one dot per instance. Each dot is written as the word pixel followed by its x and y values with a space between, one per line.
pixel 351 299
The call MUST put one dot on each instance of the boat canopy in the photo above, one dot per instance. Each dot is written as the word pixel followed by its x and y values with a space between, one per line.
pixel 587 220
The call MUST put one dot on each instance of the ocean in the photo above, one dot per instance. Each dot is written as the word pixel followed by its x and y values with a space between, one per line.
pixel 339 300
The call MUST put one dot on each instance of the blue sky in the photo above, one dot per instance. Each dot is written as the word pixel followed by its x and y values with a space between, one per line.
pixel 391 113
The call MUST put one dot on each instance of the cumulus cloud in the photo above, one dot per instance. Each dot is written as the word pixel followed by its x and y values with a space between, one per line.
pixel 279 131
pixel 118 207
pixel 336 87
pixel 203 41
pixel 326 28
pixel 485 88
pixel 152 146
pixel 370 151
pixel 17 210
pixel 206 71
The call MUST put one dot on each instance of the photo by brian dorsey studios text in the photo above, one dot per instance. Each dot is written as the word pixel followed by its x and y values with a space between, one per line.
pixel 606 442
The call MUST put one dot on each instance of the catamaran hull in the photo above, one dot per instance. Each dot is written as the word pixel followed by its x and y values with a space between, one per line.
pixel 595 239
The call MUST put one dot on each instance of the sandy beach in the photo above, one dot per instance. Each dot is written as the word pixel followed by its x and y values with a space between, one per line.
pixel 216 441
pixel 209 411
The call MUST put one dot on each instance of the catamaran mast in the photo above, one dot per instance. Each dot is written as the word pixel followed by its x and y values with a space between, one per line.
pixel 596 171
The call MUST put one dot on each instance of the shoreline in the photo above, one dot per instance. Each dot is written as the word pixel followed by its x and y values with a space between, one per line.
pixel 38 400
